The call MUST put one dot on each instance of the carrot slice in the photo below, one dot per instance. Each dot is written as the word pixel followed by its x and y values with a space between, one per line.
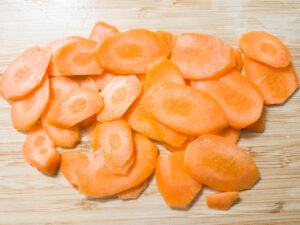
pixel 75 106
pixel 161 71
pixel 221 201
pixel 167 37
pixel 103 79
pixel 213 161
pixel 130 52
pixel 201 56
pixel 176 186
pixel 76 58
pixel 239 98
pixel 88 82
pixel 118 95
pixel 238 60
pixel 259 125
pixel 133 193
pixel 25 73
pixel 180 148
pixel 265 48
pixel 101 31
pixel 40 151
pixel 276 84
pixel 230 134
pixel 97 183
pixel 25 112
pixel 71 161
pixel 184 109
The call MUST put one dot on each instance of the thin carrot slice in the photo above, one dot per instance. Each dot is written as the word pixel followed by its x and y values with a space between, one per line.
pixel 95 182
pixel 130 52
pixel 230 134
pixel 161 71
pixel 201 56
pixel 259 125
pixel 176 186
pixel 166 37
pixel 184 109
pixel 238 60
pixel 135 192
pixel 40 151
pixel 265 48
pixel 276 84
pixel 103 79
pixel 213 161
pixel 239 98
pixel 25 112
pixel 180 148
pixel 101 31
pixel 221 201
pixel 118 95
pixel 25 73
pixel 71 161
pixel 75 106
pixel 76 58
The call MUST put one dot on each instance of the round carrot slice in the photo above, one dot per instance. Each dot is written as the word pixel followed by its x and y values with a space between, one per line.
pixel 101 31
pixel 24 113
pixel 103 79
pixel 238 60
pixel 25 73
pixel 130 52
pixel 221 201
pixel 201 56
pixel 213 161
pixel 133 193
pixel 265 48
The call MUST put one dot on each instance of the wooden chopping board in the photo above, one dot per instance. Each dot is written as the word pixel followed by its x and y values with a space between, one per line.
pixel 28 197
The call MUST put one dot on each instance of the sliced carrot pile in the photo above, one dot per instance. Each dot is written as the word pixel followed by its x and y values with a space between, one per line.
pixel 135 192
pixel 259 125
pixel 101 31
pixel 238 60
pixel 221 201
pixel 103 79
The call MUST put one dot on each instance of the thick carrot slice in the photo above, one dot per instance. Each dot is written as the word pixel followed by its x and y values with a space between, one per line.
pixel 103 79
pixel 265 48
pixel 101 31
pixel 40 151
pixel 97 183
pixel 238 60
pixel 213 161
pixel 25 112
pixel 184 109
pixel 276 84
pixel 133 193
pixel 75 106
pixel 118 95
pixel 25 73
pixel 240 99
pixel 230 134
pixel 259 125
pixel 131 52
pixel 180 148
pixel 161 71
pixel 176 186
pixel 71 161
pixel 201 56
pixel 76 58
pixel 166 37
pixel 221 201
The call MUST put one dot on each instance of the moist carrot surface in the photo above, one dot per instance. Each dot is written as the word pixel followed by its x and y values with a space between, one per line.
pixel 101 31
pixel 238 60
pixel 259 125
pixel 103 79
pixel 133 193
pixel 221 201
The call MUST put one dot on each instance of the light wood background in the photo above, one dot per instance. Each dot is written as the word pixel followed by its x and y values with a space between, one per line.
pixel 28 197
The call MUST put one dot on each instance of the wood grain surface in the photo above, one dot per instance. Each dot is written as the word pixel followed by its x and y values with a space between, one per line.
pixel 28 197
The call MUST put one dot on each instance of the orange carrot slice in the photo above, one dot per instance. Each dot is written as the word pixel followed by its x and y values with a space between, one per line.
pixel 259 125
pixel 265 48
pixel 213 161
pixel 101 31
pixel 239 98
pixel 130 52
pixel 118 95
pixel 221 201
pixel 175 185
pixel 76 58
pixel 230 134
pixel 201 56
pixel 276 84
pixel 166 37
pixel 180 148
pixel 238 60
pixel 24 74
pixel 184 109
pixel 133 193
pixel 97 183
pixel 25 112
pixel 103 79
pixel 40 151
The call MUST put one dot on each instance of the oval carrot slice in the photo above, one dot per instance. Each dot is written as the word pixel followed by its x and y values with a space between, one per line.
pixel 230 134
pixel 40 151
pixel 25 112
pixel 266 48
pixel 180 148
pixel 213 161
pixel 239 98
pixel 101 31
pixel 135 192
pixel 201 56
pixel 103 79
pixel 221 201
pixel 25 73
pixel 166 37
pixel 97 183
pixel 275 84
pixel 184 109
pixel 130 52
pixel 118 95
pixel 175 185
pixel 238 60
pixel 76 58
pixel 259 125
